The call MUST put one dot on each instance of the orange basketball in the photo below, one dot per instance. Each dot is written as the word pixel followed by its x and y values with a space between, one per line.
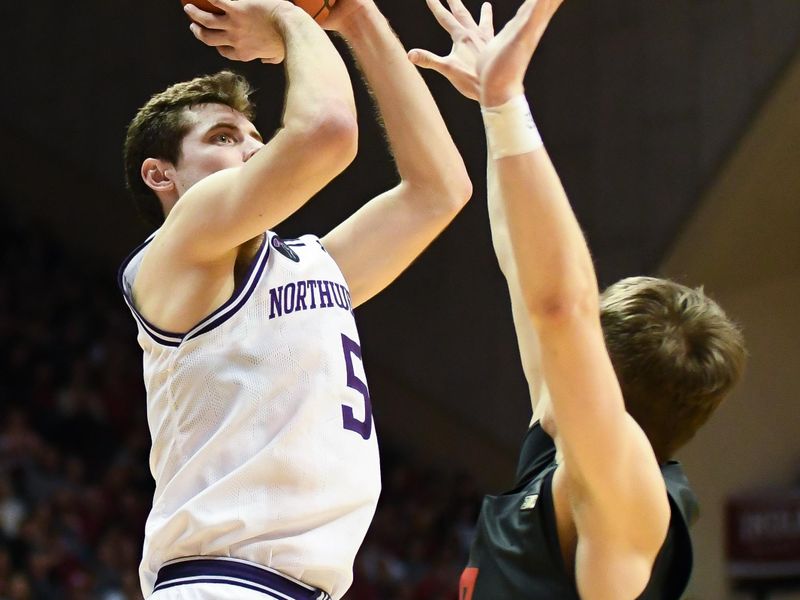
pixel 319 9
pixel 204 5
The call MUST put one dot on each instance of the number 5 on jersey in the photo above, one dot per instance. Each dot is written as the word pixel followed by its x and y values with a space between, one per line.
pixel 363 428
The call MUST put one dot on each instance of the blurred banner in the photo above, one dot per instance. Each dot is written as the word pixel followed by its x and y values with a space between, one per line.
pixel 763 536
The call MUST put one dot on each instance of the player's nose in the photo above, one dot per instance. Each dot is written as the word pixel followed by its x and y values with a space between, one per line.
pixel 253 147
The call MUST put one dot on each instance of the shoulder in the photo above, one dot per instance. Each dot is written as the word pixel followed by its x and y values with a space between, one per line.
pixel 129 267
pixel 295 248
pixel 629 503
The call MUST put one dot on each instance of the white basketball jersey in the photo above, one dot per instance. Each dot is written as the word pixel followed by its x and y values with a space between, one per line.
pixel 263 441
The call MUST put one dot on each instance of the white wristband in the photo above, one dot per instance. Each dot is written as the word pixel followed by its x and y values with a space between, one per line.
pixel 510 128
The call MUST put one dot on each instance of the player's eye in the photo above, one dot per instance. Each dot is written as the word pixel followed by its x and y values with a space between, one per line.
pixel 224 138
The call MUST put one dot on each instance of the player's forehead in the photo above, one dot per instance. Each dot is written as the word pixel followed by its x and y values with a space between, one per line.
pixel 203 117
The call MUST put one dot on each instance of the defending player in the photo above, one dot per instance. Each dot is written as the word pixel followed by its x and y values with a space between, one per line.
pixel 264 452
pixel 599 510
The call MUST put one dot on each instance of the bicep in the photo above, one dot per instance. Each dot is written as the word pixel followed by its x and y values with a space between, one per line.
pixel 605 449
pixel 607 570
pixel 620 533
pixel 617 492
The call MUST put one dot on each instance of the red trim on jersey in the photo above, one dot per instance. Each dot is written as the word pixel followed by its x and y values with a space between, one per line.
pixel 467 583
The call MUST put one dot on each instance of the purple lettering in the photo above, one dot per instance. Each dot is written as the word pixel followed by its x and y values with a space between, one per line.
pixel 338 295
pixel 288 301
pixel 275 302
pixel 300 304
pixel 323 303
pixel 349 300
pixel 312 285
pixel 349 421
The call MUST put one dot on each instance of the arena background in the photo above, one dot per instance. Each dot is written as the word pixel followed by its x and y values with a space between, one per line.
pixel 674 125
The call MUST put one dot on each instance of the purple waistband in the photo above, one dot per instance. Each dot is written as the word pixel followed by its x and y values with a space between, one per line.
pixel 234 572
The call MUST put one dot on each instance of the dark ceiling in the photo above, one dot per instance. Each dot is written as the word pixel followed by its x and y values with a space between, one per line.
pixel 638 101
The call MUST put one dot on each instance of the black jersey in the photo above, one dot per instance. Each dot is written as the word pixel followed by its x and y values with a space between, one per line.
pixel 516 554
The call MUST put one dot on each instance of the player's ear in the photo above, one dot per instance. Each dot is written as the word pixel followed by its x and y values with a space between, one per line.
pixel 158 174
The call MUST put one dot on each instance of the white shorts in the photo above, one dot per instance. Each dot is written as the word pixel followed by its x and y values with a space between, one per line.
pixel 216 578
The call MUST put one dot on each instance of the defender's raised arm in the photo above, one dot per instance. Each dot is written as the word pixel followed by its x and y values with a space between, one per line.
pixel 631 374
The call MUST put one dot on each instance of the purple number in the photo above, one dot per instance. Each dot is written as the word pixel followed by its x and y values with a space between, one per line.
pixel 363 428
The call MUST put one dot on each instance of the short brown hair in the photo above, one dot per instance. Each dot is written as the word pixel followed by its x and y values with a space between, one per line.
pixel 159 127
pixel 676 355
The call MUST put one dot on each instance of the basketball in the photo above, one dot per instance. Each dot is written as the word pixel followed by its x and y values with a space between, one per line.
pixel 203 5
pixel 319 9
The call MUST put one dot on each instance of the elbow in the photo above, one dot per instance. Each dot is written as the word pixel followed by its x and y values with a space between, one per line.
pixel 337 135
pixel 444 189
pixel 562 305
pixel 456 186
pixel 332 134
pixel 453 192
pixel 461 190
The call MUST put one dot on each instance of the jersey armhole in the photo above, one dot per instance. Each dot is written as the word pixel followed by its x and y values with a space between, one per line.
pixel 216 318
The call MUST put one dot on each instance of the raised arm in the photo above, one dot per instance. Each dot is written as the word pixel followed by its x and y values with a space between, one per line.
pixel 188 270
pixel 229 208
pixel 460 68
pixel 382 238
pixel 609 468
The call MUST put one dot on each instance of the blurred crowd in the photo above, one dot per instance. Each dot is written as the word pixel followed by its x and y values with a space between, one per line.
pixel 74 482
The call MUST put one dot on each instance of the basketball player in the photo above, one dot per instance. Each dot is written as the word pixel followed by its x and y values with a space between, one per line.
pixel 599 510
pixel 264 451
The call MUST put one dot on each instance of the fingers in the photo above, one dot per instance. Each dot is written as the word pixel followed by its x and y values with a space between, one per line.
pixel 210 37
pixel 427 60
pixel 460 12
pixel 528 8
pixel 463 81
pixel 486 24
pixel 539 11
pixel 534 16
pixel 223 5
pixel 444 17
pixel 525 29
pixel 206 19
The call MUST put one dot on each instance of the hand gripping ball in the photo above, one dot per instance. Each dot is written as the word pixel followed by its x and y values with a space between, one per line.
pixel 319 9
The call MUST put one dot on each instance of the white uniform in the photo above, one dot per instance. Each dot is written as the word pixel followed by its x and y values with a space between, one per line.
pixel 263 442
